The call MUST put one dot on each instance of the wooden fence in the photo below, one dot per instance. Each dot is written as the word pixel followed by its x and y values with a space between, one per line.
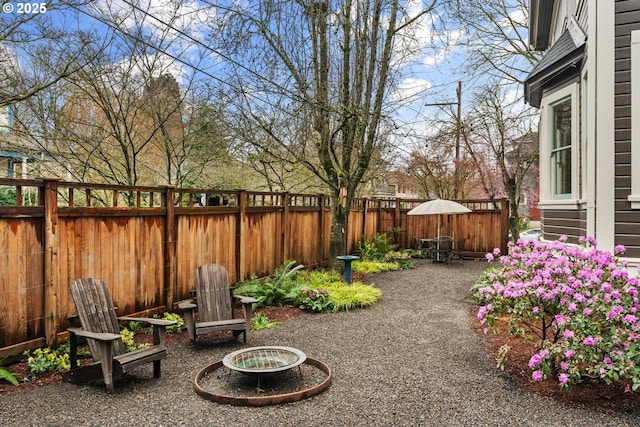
pixel 147 241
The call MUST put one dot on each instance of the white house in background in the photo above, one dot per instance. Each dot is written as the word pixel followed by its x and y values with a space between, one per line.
pixel 587 87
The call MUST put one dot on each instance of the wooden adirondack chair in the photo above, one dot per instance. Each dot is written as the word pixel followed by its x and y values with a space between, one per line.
pixel 101 329
pixel 214 304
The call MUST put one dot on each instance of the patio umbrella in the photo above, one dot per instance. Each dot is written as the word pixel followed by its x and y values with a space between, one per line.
pixel 439 207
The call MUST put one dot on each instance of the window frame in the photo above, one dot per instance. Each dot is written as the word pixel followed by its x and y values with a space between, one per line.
pixel 548 197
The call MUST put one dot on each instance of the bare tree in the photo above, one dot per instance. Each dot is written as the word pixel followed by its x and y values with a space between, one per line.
pixel 494 37
pixel 37 50
pixel 437 170
pixel 500 132
pixel 496 132
pixel 124 118
pixel 314 78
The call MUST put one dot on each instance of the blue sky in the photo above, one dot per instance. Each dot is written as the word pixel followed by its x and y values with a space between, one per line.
pixel 434 66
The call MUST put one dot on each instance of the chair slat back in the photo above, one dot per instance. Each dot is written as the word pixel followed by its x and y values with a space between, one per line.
pixel 96 311
pixel 213 293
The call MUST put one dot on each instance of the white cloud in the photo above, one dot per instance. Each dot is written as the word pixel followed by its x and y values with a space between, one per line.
pixel 409 89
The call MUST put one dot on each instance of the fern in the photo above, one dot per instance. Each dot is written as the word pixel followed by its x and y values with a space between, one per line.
pixel 9 376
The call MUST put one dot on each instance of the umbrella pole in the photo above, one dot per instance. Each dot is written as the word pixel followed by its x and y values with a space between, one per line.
pixel 438 241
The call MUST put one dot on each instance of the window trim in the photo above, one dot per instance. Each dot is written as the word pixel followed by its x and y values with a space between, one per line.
pixel 548 200
pixel 634 197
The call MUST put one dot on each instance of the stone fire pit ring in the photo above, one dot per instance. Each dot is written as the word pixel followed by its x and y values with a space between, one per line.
pixel 298 359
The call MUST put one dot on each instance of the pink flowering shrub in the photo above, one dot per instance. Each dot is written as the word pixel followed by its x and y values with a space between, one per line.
pixel 579 301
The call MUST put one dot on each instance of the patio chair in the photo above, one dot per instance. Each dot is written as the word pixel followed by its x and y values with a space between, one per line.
pixel 460 248
pixel 100 327
pixel 425 247
pixel 213 307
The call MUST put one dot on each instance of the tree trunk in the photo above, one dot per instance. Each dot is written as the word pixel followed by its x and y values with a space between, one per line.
pixel 339 223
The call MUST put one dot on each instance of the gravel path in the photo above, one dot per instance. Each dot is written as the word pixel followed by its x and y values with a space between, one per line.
pixel 412 360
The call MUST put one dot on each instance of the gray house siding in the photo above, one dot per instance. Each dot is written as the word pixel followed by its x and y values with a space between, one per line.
pixel 570 223
pixel 627 221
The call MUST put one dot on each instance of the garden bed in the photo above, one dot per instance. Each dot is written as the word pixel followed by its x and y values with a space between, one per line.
pixel 589 394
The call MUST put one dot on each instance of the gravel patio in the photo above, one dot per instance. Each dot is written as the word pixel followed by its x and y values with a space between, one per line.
pixel 411 360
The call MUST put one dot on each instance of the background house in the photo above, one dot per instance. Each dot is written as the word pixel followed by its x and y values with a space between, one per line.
pixel 17 159
pixel 587 87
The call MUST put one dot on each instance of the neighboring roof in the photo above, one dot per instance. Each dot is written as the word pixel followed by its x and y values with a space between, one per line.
pixel 540 12
pixel 563 57
pixel 13 155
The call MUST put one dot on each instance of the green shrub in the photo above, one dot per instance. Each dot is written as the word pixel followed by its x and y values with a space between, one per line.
pixel 129 341
pixel 317 291
pixel 177 328
pixel 356 295
pixel 261 321
pixel 46 359
pixel 317 300
pixel 7 196
pixel 274 291
pixel 375 249
pixel 370 267
pixel 6 374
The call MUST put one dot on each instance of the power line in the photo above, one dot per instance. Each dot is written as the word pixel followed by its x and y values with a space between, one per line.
pixel 191 39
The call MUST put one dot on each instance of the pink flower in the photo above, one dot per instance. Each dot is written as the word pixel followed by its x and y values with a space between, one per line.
pixel 568 334
pixel 537 376
pixel 563 378
pixel 535 361
pixel 569 354
pixel 589 341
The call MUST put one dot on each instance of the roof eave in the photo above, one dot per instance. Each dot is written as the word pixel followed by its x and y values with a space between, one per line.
pixel 540 14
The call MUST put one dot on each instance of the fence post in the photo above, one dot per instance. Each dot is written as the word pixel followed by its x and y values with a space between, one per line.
pixel 321 230
pixel 170 245
pixel 242 204
pixel 286 237
pixel 51 263
pixel 365 209
pixel 379 219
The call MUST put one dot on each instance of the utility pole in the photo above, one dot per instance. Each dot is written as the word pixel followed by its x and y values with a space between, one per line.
pixel 458 122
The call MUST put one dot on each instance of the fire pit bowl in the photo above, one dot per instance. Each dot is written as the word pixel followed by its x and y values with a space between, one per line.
pixel 273 365
pixel 264 360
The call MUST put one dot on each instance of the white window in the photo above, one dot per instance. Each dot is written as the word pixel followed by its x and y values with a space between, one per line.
pixel 634 198
pixel 5 118
pixel 559 147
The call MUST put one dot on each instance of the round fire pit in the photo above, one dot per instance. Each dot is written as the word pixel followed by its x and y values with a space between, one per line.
pixel 273 364
pixel 264 360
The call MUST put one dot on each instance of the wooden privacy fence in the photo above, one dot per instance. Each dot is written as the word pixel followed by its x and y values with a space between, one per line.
pixel 146 243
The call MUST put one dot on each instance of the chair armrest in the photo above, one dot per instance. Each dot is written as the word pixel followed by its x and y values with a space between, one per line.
pixel 100 336
pixel 149 320
pixel 187 305
pixel 246 300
